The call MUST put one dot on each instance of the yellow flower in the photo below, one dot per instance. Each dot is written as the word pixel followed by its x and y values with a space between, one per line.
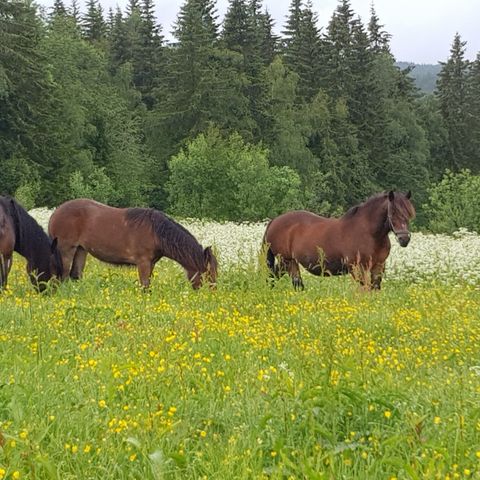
pixel 467 472
pixel 87 448
pixel 74 449
pixel 437 420
pixel 23 435
pixel 2 472
pixel 387 413
pixel 203 433
pixel 273 453
pixel 16 475
pixel 132 457
pixel 477 453
pixel 102 403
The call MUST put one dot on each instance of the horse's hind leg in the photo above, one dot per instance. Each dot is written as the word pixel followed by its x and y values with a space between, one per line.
pixel 78 263
pixel 67 254
pixel 293 269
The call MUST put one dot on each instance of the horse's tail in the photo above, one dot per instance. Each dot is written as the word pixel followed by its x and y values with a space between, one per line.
pixel 269 256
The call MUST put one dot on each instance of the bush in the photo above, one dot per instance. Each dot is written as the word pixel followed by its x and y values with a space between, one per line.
pixel 228 179
pixel 97 185
pixel 454 203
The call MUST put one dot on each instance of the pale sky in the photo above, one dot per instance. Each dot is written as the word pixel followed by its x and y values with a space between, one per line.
pixel 422 30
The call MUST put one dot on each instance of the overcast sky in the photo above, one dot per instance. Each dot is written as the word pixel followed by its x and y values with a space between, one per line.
pixel 422 30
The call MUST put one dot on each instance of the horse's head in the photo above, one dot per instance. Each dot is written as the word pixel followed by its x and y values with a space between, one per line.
pixel 400 211
pixel 208 273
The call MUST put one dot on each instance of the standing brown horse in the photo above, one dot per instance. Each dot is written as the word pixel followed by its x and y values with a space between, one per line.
pixel 20 232
pixel 127 236
pixel 356 243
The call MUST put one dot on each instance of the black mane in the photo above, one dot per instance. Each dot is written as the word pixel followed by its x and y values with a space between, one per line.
pixel 176 242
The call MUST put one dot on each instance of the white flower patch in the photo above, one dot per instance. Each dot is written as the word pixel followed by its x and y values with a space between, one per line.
pixel 443 257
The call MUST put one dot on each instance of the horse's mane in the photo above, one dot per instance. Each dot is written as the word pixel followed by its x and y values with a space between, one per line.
pixel 369 202
pixel 31 241
pixel 400 201
pixel 176 241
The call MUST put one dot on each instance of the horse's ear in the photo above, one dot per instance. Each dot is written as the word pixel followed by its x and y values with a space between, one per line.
pixel 409 194
pixel 391 195
pixel 53 246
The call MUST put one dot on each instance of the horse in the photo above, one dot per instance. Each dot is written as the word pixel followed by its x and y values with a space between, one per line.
pixel 356 243
pixel 127 236
pixel 21 233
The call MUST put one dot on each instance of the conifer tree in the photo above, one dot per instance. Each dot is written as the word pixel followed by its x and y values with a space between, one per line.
pixel 473 112
pixel 379 38
pixel 452 93
pixel 93 23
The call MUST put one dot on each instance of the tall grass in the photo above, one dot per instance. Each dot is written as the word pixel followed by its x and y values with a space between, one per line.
pixel 100 380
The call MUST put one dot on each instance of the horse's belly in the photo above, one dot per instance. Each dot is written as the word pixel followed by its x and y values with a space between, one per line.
pixel 328 267
pixel 109 255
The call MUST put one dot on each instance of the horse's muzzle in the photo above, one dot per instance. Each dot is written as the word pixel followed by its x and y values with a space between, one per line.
pixel 403 238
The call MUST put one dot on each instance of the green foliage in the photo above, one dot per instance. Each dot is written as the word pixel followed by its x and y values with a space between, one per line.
pixel 227 179
pixel 27 193
pixel 80 95
pixel 96 185
pixel 454 203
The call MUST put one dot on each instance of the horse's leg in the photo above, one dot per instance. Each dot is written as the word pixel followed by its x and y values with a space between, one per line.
pixel 67 254
pixel 5 266
pixel 78 263
pixel 293 270
pixel 361 274
pixel 145 269
pixel 377 275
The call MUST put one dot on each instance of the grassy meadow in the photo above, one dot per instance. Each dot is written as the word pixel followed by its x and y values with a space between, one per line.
pixel 100 380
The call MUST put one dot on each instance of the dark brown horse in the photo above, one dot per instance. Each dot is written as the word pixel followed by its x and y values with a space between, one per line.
pixel 127 236
pixel 20 232
pixel 356 243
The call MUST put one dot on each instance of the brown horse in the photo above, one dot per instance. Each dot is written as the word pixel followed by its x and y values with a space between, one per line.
pixel 20 232
pixel 127 236
pixel 356 243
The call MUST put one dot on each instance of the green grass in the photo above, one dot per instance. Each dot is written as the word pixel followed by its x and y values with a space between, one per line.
pixel 100 380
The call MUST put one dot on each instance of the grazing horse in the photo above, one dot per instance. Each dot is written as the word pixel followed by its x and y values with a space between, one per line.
pixel 127 236
pixel 355 243
pixel 20 232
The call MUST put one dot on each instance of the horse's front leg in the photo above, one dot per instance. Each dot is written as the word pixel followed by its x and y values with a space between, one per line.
pixel 145 269
pixel 377 275
pixel 5 266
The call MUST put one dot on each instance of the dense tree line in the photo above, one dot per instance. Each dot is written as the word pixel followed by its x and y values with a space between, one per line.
pixel 98 104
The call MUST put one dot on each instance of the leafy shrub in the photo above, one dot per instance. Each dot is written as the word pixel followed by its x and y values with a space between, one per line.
pixel 228 179
pixel 27 193
pixel 454 203
pixel 96 185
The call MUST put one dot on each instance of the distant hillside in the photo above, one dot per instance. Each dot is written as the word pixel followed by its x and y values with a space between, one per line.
pixel 425 75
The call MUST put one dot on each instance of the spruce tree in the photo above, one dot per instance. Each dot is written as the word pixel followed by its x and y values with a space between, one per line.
pixel 379 38
pixel 452 93
pixel 473 112
pixel 93 23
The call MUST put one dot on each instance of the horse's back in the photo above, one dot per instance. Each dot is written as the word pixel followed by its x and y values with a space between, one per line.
pixel 74 217
pixel 285 231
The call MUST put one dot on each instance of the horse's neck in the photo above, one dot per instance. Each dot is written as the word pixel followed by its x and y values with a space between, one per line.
pixel 377 220
pixel 38 256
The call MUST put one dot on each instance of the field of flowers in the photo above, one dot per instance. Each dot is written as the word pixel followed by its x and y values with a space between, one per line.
pixel 100 380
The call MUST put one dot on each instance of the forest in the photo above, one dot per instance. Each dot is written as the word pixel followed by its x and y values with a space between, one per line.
pixel 230 121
